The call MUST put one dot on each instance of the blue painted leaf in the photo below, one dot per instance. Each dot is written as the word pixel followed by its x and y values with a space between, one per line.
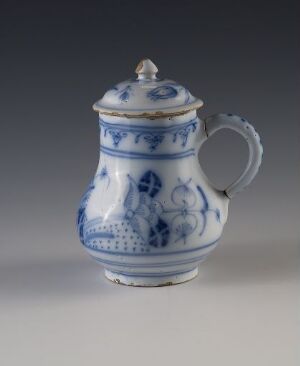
pixel 140 226
pixel 124 94
pixel 159 234
pixel 132 199
pixel 205 202
pixel 80 225
pixel 81 216
pixel 150 183
pixel 162 92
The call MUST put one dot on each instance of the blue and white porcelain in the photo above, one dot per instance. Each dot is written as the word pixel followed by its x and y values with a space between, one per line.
pixel 150 216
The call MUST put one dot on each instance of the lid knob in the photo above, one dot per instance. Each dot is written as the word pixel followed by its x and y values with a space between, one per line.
pixel 146 70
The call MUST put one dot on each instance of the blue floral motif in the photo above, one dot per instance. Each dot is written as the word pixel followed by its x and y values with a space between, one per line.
pixel 189 218
pixel 150 183
pixel 184 133
pixel 81 216
pixel 117 136
pixel 185 223
pixel 147 221
pixel 143 212
pixel 162 92
pixel 103 175
pixel 154 136
pixel 166 91
pixel 159 234
pixel 153 140
pixel 124 94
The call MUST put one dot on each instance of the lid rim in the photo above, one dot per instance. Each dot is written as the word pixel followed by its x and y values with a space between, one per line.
pixel 155 113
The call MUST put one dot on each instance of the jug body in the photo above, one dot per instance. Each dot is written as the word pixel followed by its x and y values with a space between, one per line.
pixel 150 215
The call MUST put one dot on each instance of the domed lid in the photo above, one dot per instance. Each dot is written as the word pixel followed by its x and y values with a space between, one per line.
pixel 147 96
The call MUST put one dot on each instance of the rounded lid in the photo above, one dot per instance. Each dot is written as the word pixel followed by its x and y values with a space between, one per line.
pixel 147 96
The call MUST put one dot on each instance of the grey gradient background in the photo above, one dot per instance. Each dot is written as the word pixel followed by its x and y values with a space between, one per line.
pixel 56 60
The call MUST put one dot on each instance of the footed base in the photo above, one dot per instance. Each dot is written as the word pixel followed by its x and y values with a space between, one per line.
pixel 151 281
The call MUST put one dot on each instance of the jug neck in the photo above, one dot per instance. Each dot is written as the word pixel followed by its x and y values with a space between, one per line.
pixel 163 139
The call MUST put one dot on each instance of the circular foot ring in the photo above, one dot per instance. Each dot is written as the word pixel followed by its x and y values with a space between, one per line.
pixel 151 281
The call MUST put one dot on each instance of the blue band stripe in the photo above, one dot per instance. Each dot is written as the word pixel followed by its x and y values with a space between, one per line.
pixel 137 155
pixel 152 128
pixel 148 265
pixel 152 254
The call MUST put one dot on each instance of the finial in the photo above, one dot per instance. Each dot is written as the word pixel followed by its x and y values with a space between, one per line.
pixel 146 70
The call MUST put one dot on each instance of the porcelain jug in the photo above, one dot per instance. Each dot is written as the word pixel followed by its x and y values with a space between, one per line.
pixel 150 215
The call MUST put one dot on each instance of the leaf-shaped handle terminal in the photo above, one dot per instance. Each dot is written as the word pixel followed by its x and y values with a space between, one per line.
pixel 243 127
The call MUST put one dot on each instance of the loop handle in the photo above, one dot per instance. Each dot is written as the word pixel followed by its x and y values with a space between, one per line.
pixel 243 127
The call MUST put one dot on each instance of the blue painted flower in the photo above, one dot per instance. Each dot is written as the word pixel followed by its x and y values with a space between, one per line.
pixel 153 141
pixel 185 222
pixel 162 92
pixel 143 212
pixel 184 225
pixel 104 175
pixel 116 136
pixel 182 195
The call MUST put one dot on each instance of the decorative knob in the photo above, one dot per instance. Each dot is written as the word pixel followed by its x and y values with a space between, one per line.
pixel 146 70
